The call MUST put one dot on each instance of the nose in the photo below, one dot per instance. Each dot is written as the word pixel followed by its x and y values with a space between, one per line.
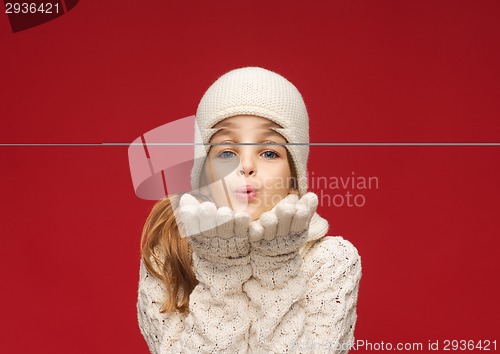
pixel 247 165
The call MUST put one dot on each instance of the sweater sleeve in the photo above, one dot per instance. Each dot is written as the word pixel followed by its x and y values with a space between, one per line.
pixel 306 307
pixel 153 324
pixel 333 269
pixel 218 321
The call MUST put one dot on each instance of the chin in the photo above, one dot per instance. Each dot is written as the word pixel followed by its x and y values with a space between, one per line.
pixel 251 210
pixel 255 215
pixel 254 207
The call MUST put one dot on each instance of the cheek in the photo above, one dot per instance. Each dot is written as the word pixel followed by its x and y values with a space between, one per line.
pixel 283 171
pixel 275 169
pixel 223 169
pixel 278 178
pixel 213 188
pixel 217 194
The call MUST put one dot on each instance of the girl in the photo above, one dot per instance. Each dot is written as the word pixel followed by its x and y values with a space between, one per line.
pixel 242 265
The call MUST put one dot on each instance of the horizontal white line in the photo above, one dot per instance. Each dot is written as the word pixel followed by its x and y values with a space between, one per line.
pixel 266 144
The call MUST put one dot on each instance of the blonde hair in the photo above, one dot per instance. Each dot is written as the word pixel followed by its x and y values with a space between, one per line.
pixel 162 243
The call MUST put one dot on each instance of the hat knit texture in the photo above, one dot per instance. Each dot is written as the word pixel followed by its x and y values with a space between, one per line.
pixel 258 92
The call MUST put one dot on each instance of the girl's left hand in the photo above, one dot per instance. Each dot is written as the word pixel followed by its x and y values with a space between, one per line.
pixel 283 229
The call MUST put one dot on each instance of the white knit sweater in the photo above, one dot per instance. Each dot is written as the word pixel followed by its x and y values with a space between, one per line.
pixel 233 311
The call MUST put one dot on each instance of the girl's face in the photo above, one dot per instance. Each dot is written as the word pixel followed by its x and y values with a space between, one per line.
pixel 251 177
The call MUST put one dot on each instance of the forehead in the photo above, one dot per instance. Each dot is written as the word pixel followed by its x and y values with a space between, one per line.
pixel 247 127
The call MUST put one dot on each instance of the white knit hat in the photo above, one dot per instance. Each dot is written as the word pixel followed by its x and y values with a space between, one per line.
pixel 258 92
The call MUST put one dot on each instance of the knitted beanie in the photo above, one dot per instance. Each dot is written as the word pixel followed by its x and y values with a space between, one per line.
pixel 258 92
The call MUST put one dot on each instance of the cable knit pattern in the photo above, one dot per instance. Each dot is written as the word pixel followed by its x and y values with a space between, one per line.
pixel 310 309
pixel 153 324
pixel 316 318
pixel 218 321
pixel 333 270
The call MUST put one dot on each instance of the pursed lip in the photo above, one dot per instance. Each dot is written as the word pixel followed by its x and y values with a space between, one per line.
pixel 246 193
pixel 246 189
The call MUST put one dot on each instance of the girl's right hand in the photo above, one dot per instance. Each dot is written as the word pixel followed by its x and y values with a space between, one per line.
pixel 216 234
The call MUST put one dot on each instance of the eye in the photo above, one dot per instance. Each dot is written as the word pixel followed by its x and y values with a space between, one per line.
pixel 226 154
pixel 268 154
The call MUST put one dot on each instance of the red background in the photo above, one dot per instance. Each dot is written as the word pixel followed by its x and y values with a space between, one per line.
pixel 369 71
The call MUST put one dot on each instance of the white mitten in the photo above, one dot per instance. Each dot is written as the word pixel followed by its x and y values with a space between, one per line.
pixel 283 229
pixel 215 234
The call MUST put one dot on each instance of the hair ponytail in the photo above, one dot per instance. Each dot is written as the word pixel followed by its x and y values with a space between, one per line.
pixel 161 243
